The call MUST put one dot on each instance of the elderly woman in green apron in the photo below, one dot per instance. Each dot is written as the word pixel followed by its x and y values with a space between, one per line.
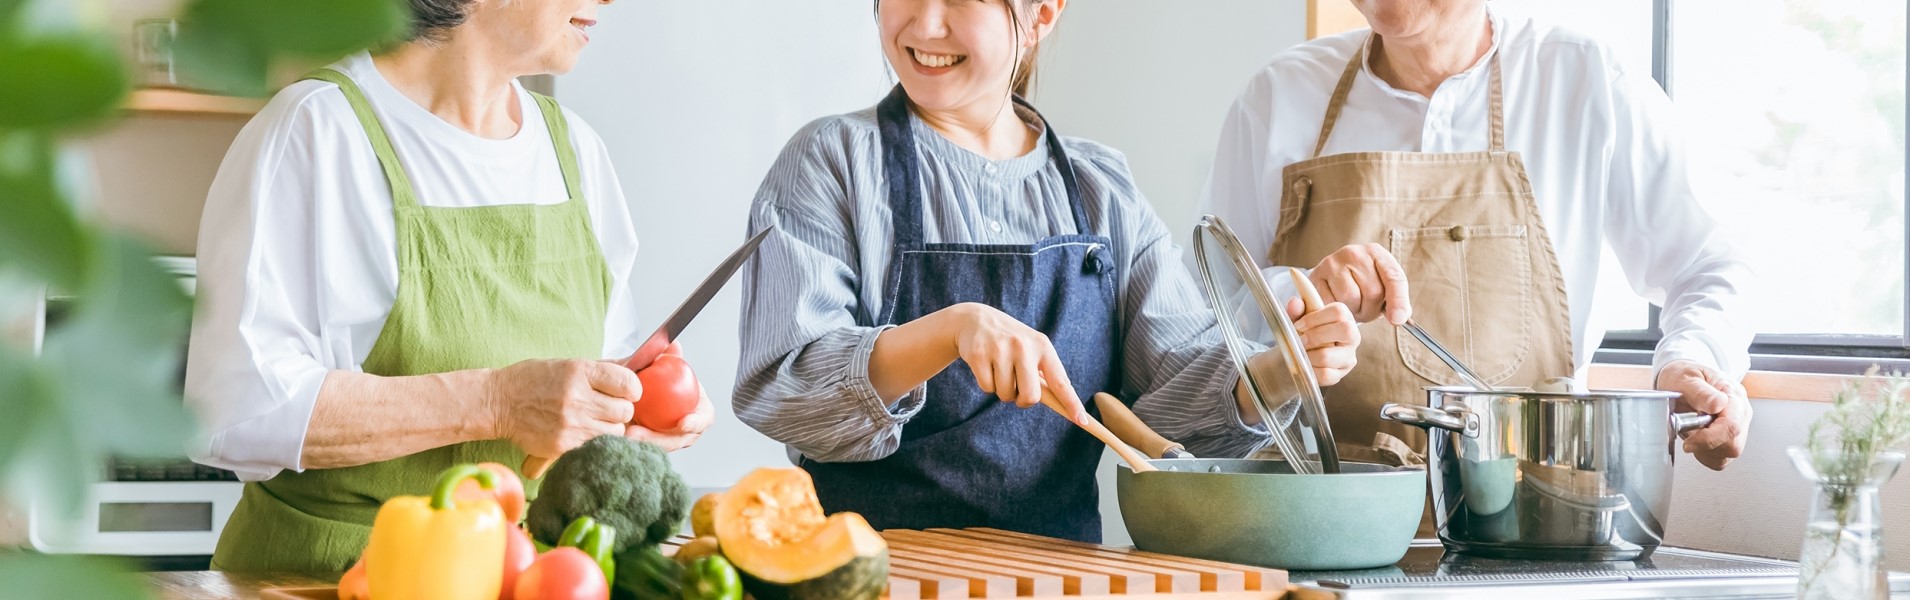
pixel 408 261
pixel 1487 160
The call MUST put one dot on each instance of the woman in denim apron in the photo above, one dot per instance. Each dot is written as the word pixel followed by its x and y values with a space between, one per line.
pixel 952 224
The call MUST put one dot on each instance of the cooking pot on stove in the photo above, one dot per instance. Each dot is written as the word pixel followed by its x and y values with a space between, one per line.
pixel 1552 476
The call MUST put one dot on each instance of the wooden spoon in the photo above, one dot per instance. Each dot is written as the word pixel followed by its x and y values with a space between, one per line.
pixel 1134 459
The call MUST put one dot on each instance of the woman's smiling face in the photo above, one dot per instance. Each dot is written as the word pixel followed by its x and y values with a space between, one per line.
pixel 952 54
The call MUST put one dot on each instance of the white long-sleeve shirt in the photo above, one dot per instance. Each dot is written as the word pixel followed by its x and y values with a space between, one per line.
pixel 1600 146
pixel 297 250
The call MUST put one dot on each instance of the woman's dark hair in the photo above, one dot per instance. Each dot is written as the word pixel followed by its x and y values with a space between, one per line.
pixel 433 20
pixel 1024 75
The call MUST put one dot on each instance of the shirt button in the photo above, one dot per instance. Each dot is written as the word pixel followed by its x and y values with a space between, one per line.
pixel 990 168
pixel 1458 233
pixel 995 225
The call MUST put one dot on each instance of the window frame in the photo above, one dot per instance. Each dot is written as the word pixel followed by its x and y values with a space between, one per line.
pixel 1813 353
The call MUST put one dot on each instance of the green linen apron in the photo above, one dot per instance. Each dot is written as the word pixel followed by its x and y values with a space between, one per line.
pixel 478 287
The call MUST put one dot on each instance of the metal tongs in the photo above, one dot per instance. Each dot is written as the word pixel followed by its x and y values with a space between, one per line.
pixel 1465 374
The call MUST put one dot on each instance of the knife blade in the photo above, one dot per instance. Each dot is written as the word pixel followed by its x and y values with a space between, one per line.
pixel 652 347
pixel 685 313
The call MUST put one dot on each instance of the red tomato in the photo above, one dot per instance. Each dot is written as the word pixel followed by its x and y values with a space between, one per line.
pixel 518 556
pixel 670 392
pixel 509 491
pixel 563 574
pixel 355 585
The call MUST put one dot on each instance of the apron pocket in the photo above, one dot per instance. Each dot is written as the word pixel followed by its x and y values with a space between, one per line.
pixel 1473 286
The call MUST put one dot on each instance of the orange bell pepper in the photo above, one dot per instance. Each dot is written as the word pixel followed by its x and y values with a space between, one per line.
pixel 439 548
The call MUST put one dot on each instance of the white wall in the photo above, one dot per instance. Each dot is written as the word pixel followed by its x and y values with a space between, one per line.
pixel 1757 506
pixel 1154 79
pixel 694 101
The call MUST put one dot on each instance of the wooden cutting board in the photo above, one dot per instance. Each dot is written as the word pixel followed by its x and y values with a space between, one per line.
pixel 990 563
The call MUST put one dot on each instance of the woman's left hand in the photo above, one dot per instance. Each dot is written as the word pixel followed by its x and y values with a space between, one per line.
pixel 1331 337
pixel 686 431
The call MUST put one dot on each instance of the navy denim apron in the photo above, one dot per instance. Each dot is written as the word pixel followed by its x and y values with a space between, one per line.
pixel 968 459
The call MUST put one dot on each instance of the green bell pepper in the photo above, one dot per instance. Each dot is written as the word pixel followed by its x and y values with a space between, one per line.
pixel 712 578
pixel 595 539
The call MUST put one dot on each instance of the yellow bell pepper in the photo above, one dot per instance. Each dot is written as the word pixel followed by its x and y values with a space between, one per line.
pixel 439 548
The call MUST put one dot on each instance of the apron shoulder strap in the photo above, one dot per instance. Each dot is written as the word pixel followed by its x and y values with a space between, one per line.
pixel 1059 156
pixel 1340 92
pixel 1497 105
pixel 560 137
pixel 402 194
pixel 900 166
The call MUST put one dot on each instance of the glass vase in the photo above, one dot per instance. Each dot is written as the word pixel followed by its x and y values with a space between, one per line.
pixel 1842 554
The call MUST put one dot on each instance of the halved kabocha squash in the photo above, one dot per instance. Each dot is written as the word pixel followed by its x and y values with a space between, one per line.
pixel 771 527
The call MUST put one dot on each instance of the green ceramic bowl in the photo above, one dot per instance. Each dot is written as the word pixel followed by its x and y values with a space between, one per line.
pixel 1259 512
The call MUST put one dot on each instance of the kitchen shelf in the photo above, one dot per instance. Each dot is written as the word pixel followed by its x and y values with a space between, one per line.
pixel 180 102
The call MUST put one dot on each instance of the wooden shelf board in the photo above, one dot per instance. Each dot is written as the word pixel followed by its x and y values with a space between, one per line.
pixel 163 101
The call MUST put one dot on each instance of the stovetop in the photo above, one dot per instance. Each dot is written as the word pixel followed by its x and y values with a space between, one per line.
pixel 1428 571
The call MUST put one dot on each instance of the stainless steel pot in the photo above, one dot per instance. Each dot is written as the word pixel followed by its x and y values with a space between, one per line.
pixel 1553 476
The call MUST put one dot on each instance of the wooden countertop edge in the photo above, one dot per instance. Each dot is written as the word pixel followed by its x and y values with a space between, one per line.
pixel 1761 385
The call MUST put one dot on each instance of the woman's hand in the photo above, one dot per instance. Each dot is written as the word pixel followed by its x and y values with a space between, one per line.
pixel 1012 360
pixel 548 407
pixel 1331 337
pixel 686 431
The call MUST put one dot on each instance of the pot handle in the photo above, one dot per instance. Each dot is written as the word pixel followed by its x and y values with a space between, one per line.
pixel 1454 419
pixel 1684 422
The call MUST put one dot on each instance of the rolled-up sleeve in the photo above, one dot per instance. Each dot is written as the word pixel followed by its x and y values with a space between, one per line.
pixel 806 338
pixel 253 367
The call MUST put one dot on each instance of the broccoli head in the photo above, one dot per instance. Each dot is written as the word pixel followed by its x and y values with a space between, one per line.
pixel 618 481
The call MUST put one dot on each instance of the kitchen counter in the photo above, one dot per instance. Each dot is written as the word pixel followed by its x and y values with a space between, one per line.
pixel 219 585
pixel 1426 573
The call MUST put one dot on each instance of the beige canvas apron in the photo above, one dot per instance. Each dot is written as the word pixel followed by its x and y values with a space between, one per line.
pixel 1483 277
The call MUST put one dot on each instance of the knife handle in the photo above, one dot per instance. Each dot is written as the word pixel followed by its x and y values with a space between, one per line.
pixel 1131 430
pixel 535 466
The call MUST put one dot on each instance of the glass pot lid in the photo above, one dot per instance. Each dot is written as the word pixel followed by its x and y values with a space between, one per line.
pixel 1265 349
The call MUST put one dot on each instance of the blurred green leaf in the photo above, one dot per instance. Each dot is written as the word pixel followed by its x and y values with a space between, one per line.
pixel 24 396
pixel 9 12
pixel 229 44
pixel 62 459
pixel 45 576
pixel 59 82
pixel 117 356
pixel 330 28
pixel 40 231
pixel 218 59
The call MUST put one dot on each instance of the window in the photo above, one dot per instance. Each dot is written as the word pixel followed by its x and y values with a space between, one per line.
pixel 1793 114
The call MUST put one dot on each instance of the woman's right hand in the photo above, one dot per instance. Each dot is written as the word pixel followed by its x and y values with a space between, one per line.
pixel 1012 360
pixel 548 407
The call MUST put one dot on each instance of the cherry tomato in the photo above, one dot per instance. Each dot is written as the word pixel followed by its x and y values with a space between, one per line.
pixel 563 574
pixel 519 554
pixel 355 585
pixel 509 491
pixel 670 392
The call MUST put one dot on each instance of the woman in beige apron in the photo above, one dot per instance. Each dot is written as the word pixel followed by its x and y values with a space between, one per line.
pixel 1419 173
pixel 410 262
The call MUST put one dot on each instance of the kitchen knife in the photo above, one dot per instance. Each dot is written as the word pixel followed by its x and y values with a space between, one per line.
pixel 535 466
